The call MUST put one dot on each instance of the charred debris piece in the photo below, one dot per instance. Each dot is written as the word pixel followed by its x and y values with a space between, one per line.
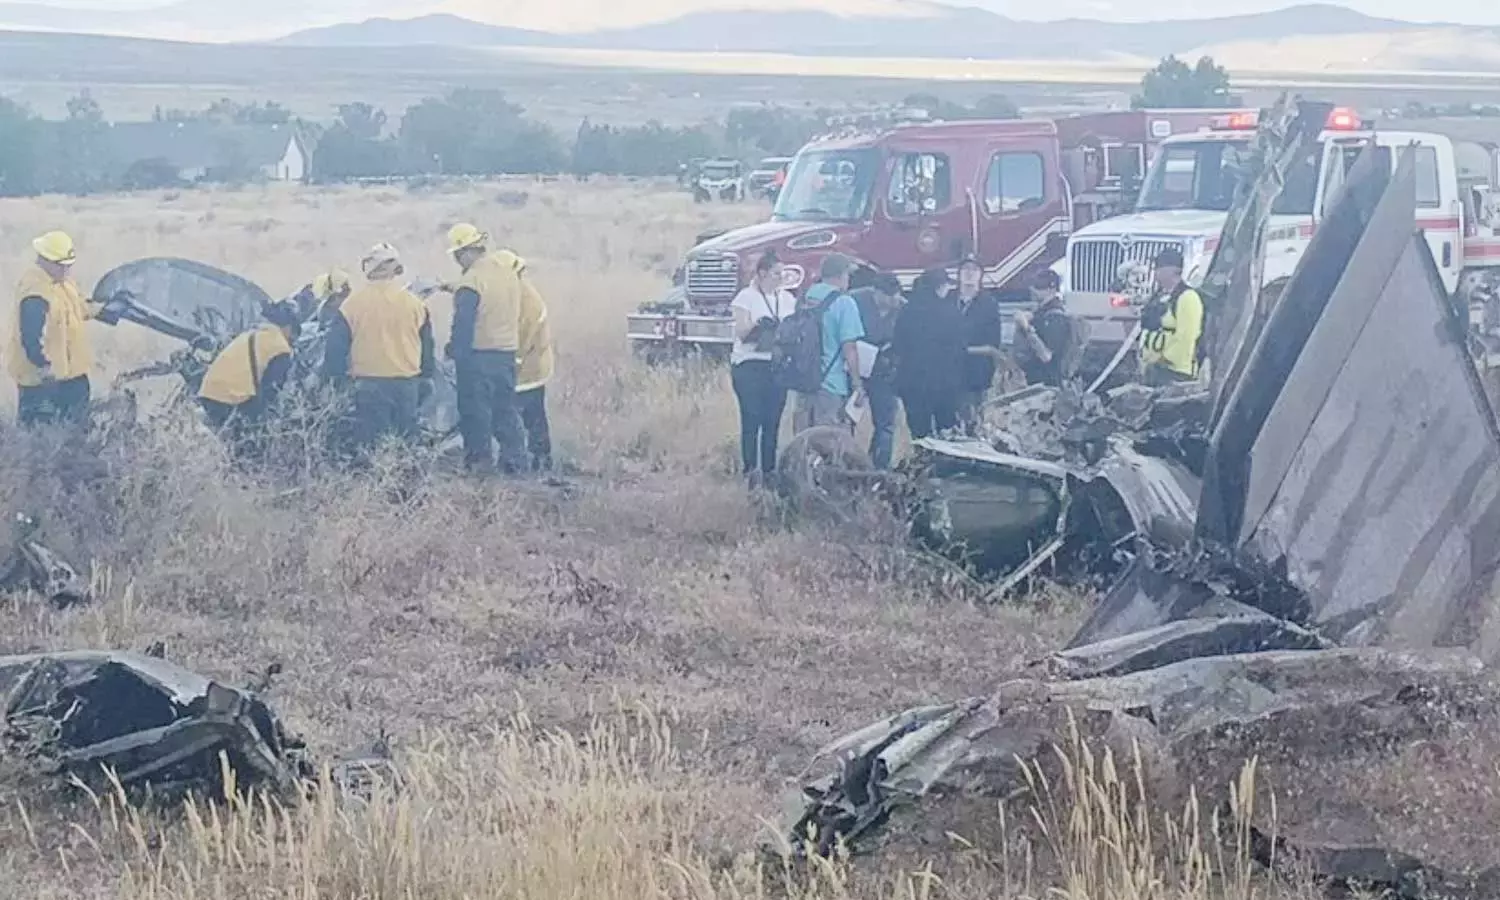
pixel 1301 559
pixel 32 565
pixel 159 728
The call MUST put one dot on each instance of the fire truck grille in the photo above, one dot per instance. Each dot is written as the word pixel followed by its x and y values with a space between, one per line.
pixel 713 277
pixel 1094 266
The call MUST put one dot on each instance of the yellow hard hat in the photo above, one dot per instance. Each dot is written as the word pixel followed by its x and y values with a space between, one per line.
pixel 55 247
pixel 332 282
pixel 463 236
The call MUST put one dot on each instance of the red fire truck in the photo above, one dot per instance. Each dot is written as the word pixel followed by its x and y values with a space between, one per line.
pixel 916 195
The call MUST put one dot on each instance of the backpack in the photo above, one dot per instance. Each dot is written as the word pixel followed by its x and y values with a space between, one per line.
pixel 797 350
pixel 1156 310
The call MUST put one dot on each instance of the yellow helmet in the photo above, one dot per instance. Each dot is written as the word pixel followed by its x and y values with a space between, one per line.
pixel 334 281
pixel 55 247
pixel 463 236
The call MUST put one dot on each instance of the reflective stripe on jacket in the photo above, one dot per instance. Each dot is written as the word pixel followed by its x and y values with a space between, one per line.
pixel 385 330
pixel 535 362
pixel 229 380
pixel 1175 344
pixel 497 320
pixel 65 339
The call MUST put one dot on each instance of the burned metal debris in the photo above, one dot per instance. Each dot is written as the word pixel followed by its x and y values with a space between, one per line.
pixel 205 307
pixel 33 566
pixel 1304 557
pixel 152 725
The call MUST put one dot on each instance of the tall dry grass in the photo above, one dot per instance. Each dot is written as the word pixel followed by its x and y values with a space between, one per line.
pixel 492 632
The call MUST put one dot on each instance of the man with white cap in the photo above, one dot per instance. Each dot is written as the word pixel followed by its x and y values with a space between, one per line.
pixel 380 338
pixel 49 354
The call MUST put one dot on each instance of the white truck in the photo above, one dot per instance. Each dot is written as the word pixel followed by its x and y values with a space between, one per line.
pixel 1106 271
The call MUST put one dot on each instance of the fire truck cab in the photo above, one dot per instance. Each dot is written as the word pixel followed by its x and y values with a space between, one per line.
pixel 912 196
pixel 1184 200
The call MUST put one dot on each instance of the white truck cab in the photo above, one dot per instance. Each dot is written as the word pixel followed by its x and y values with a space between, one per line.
pixel 1190 185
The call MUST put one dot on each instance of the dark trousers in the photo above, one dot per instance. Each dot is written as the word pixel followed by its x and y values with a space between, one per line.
pixel 533 405
pixel 1158 375
pixel 883 406
pixel 58 401
pixel 488 412
pixel 242 427
pixel 929 412
pixel 761 404
pixel 383 407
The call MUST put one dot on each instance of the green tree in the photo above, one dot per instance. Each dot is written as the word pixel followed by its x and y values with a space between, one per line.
pixel 20 150
pixel 996 106
pixel 354 146
pixel 478 132
pixel 362 121
pixel 79 158
pixel 1173 84
pixel 769 130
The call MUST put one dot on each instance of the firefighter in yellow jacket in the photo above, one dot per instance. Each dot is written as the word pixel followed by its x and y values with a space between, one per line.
pixel 1171 326
pixel 321 297
pixel 380 338
pixel 49 354
pixel 534 365
pixel 241 385
pixel 484 345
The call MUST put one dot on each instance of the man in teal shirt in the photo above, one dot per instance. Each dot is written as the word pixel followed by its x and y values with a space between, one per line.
pixel 841 331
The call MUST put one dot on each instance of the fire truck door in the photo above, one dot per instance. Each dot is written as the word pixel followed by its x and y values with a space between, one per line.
pixel 928 218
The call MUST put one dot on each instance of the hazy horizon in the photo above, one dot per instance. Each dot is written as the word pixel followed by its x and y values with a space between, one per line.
pixel 1472 12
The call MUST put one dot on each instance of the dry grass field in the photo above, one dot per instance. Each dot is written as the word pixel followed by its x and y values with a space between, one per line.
pixel 599 692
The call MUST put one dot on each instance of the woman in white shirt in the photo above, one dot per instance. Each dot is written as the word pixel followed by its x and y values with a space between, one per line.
pixel 758 310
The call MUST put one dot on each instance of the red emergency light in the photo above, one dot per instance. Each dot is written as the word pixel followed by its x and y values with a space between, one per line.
pixel 1119 301
pixel 1240 121
pixel 1342 118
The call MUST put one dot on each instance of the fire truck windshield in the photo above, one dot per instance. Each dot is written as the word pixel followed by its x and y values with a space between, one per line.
pixel 834 185
pixel 1204 175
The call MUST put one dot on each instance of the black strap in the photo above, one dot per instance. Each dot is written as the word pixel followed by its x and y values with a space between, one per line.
pixel 254 367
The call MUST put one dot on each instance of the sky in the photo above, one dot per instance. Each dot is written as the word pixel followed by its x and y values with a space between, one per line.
pixel 1476 12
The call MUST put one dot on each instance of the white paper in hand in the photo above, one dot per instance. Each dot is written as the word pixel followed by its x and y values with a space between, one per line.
pixel 854 409
pixel 867 354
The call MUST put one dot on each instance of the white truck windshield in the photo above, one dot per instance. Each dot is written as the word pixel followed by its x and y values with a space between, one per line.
pixel 829 184
pixel 1205 174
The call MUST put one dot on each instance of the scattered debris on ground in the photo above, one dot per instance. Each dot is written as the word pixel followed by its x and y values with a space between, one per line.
pixel 154 725
pixel 1303 554
pixel 33 566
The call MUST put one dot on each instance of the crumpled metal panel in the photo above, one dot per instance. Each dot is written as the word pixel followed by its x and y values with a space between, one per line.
pixel 1358 459
pixel 217 302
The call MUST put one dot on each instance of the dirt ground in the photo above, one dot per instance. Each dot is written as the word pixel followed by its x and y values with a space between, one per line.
pixel 656 584
pixel 599 691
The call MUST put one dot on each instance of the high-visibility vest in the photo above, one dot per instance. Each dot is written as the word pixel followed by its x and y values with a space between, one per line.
pixel 498 323
pixel 1175 343
pixel 235 375
pixel 65 339
pixel 385 322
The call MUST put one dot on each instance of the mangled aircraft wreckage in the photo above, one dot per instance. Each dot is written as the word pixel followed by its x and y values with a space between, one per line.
pixel 1302 555
pixel 144 723
pixel 205 307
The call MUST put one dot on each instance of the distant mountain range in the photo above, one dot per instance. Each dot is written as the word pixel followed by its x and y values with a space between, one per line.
pixel 942 32
pixel 1342 37
pixel 1308 37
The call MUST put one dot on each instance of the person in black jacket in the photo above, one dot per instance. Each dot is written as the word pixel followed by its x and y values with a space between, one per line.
pixel 928 351
pixel 984 337
pixel 1044 339
pixel 879 306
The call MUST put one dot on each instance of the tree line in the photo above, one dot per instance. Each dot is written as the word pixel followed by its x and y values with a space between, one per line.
pixel 468 131
pixel 479 132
